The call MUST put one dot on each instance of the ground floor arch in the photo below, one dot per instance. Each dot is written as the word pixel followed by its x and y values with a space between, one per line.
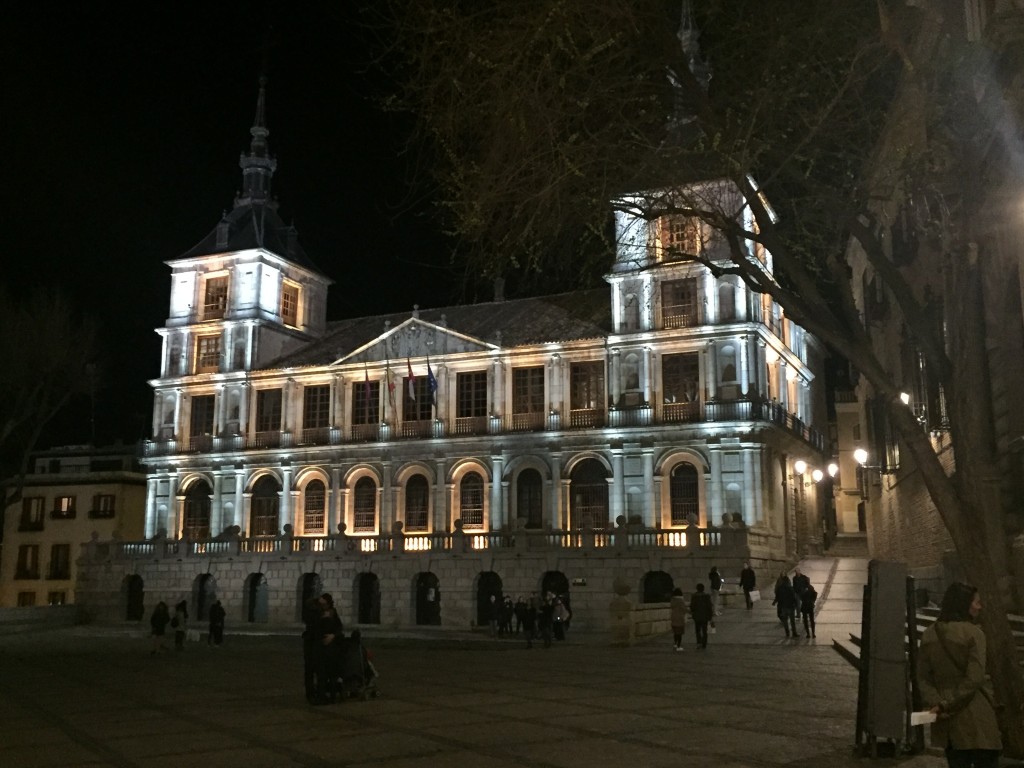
pixel 367 598
pixel 427 599
pixel 488 586
pixel 204 592
pixel 657 587
pixel 257 599
pixel 134 593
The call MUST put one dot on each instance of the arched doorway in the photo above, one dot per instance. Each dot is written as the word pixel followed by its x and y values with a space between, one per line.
pixel 529 498
pixel 428 599
pixel 368 598
pixel 204 592
pixel 658 587
pixel 488 583
pixel 310 587
pixel 588 488
pixel 195 519
pixel 134 598
pixel 257 599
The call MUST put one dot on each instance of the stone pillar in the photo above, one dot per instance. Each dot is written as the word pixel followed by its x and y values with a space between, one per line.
pixel 709 293
pixel 617 486
pixel 441 518
pixel 152 525
pixel 615 374
pixel 749 488
pixel 218 411
pixel 497 513
pixel 336 505
pixel 783 385
pixel 387 510
pixel 711 370
pixel 241 505
pixel 286 498
pixel 649 507
pixel 648 375
pixel 216 504
pixel 758 486
pixel 714 502
pixel 744 363
pixel 647 304
pixel 244 394
pixel 178 403
pixel 555 380
pixel 170 522
pixel 555 511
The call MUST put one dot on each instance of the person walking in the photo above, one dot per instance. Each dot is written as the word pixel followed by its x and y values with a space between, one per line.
pixel 158 622
pixel 953 684
pixel 807 600
pixel 329 635
pixel 310 652
pixel 748 582
pixel 530 620
pixel 180 624
pixel 800 582
pixel 715 581
pixel 217 615
pixel 786 604
pixel 701 612
pixel 545 618
pixel 677 615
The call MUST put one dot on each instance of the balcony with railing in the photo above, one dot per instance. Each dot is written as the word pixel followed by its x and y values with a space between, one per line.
pixel 644 415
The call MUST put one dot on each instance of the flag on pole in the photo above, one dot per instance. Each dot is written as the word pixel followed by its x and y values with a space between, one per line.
pixel 412 380
pixel 431 382
pixel 391 385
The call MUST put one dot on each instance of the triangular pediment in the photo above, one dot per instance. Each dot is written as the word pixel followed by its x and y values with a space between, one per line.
pixel 415 338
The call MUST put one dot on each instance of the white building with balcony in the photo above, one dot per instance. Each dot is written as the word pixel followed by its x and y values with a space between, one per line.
pixel 458 449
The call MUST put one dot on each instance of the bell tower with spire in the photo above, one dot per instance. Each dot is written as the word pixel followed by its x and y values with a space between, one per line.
pixel 247 293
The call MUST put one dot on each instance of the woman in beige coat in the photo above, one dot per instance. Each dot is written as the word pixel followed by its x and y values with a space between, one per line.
pixel 953 683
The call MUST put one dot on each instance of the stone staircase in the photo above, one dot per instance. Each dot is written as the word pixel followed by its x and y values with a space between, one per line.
pixel 849 545
pixel 850 649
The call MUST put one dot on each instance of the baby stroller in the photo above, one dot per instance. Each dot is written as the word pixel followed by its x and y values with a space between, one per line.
pixel 358 675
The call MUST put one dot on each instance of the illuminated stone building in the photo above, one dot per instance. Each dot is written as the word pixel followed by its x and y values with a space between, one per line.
pixel 639 432
pixel 70 495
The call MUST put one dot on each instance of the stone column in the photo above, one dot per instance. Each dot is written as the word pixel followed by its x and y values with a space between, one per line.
pixel 336 505
pixel 387 511
pixel 241 506
pixel 152 525
pixel 216 504
pixel 286 517
pixel 783 385
pixel 555 511
pixel 709 293
pixel 244 393
pixel 744 363
pixel 649 507
pixel 647 304
pixel 178 403
pixel 617 486
pixel 441 518
pixel 497 513
pixel 749 488
pixel 615 374
pixel 711 370
pixel 714 503
pixel 648 376
pixel 220 404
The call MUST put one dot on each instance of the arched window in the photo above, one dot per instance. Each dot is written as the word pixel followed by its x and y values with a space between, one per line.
pixel 314 507
pixel 683 494
pixel 266 498
pixel 529 498
pixel 195 524
pixel 417 503
pixel 589 494
pixel 471 501
pixel 364 506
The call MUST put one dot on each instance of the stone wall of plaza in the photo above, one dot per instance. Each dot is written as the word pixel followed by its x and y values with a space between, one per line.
pixel 461 569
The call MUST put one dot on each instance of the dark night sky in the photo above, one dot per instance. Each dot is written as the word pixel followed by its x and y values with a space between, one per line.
pixel 121 134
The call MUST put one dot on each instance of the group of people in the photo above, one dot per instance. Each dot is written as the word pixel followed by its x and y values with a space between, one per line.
pixel 161 619
pixel 333 665
pixel 538 618
pixel 793 597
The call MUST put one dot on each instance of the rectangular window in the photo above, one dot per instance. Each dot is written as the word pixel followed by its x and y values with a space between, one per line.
pixel 680 376
pixel 202 416
pixel 215 298
pixel 587 398
pixel 102 505
pixel 290 304
pixel 471 394
pixel 316 407
pixel 26 599
pixel 64 508
pixel 365 402
pixel 208 354
pixel 60 562
pixel 28 562
pixel 268 410
pixel 679 303
pixel 420 407
pixel 56 598
pixel 681 235
pixel 528 390
pixel 31 513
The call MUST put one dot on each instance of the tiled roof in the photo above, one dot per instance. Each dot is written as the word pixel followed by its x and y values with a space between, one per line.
pixel 561 317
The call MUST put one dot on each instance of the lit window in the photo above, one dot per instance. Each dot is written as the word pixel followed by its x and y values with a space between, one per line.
pixel 679 303
pixel 681 235
pixel 364 506
pixel 208 354
pixel 417 503
pixel 63 508
pixel 471 501
pixel 683 492
pixel 215 299
pixel 314 507
pixel 290 304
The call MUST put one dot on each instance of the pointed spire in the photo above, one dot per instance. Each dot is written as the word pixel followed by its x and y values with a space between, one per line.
pixel 258 166
pixel 681 122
